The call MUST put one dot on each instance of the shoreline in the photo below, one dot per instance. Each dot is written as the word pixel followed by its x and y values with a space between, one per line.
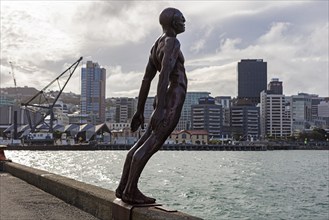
pixel 167 147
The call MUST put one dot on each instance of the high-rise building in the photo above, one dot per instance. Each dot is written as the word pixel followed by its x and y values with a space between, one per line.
pixel 192 98
pixel 207 116
pixel 252 79
pixel 244 121
pixel 322 120
pixel 323 109
pixel 125 109
pixel 301 111
pixel 275 86
pixel 93 84
pixel 225 102
pixel 275 119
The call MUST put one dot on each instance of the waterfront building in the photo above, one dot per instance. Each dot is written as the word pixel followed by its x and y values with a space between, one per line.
pixel 124 136
pixel 188 137
pixel 304 110
pixel 118 126
pixel 192 98
pixel 323 109
pixel 275 120
pixel 252 79
pixel 124 109
pixel 77 118
pixel 314 105
pixel 244 120
pixel 322 121
pixel 61 113
pixel 207 116
pixel 7 113
pixel 225 102
pixel 93 84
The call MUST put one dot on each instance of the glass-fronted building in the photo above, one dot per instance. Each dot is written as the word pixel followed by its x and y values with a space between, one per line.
pixel 192 98
pixel 252 79
pixel 93 84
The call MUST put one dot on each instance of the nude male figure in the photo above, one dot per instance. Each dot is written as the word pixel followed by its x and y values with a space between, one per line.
pixel 167 58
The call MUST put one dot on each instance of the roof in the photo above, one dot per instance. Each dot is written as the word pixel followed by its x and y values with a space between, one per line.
pixel 191 132
pixel 103 127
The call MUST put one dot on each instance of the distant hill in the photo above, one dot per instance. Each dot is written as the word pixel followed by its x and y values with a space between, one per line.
pixel 26 93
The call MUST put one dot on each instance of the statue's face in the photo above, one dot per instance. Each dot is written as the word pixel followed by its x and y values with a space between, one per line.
pixel 179 23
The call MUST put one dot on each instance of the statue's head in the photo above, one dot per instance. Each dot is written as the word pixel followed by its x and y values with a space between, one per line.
pixel 172 18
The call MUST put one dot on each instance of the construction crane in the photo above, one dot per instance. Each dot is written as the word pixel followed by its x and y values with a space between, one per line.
pixel 14 78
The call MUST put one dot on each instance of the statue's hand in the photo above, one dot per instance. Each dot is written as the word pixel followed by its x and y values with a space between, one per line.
pixel 138 120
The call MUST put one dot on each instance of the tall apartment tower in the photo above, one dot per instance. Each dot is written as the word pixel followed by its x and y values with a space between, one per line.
pixel 207 116
pixel 93 84
pixel 252 79
pixel 275 120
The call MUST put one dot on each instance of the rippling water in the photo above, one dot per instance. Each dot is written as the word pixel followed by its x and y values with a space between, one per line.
pixel 209 184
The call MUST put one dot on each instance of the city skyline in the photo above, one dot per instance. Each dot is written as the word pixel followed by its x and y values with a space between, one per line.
pixel 41 39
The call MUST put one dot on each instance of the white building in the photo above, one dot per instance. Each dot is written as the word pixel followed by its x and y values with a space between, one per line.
pixel 275 118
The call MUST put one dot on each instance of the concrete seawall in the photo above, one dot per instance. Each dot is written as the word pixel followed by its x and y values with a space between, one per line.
pixel 92 199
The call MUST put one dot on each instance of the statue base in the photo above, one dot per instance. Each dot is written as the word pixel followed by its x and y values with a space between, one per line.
pixel 123 211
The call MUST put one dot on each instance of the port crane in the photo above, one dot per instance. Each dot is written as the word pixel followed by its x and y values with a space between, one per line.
pixel 43 103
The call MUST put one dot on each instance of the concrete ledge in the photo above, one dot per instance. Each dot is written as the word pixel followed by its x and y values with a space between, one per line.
pixel 92 199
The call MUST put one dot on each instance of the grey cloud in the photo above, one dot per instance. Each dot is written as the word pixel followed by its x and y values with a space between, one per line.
pixel 220 33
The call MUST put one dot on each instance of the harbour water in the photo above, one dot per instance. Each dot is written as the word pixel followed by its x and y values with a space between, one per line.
pixel 209 184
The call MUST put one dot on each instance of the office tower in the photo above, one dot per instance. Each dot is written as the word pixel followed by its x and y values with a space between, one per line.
pixel 110 110
pixel 323 115
pixel 301 111
pixel 93 84
pixel 252 79
pixel 225 102
pixel 244 121
pixel 323 109
pixel 275 86
pixel 275 119
pixel 125 109
pixel 192 98
pixel 207 116
pixel 316 100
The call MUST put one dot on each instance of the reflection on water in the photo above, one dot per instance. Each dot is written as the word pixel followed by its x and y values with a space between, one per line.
pixel 210 185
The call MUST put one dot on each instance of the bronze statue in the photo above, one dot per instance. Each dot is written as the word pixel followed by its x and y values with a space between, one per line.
pixel 167 58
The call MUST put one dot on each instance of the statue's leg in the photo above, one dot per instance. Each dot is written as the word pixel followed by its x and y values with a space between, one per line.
pixel 131 193
pixel 174 99
pixel 126 166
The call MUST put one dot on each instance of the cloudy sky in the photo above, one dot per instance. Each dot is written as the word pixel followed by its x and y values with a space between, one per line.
pixel 42 38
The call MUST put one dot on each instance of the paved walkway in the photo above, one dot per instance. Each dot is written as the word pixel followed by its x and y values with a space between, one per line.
pixel 22 201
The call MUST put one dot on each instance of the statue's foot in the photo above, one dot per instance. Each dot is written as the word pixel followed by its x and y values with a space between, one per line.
pixel 119 192
pixel 137 197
